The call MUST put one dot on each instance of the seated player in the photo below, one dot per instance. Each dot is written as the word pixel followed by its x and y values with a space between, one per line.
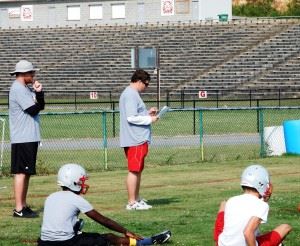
pixel 239 218
pixel 60 221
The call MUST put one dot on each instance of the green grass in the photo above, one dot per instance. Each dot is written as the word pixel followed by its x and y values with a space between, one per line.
pixel 173 124
pixel 176 123
pixel 78 127
pixel 49 161
pixel 185 199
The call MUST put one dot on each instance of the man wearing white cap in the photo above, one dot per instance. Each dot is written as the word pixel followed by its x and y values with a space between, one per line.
pixel 25 103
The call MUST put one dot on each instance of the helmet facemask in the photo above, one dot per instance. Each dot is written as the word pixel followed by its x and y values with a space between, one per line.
pixel 83 185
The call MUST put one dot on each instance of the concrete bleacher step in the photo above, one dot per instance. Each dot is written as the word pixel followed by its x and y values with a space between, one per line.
pixel 194 55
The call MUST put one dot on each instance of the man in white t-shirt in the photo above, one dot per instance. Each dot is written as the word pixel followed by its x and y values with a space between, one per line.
pixel 26 100
pixel 135 135
pixel 61 226
pixel 239 218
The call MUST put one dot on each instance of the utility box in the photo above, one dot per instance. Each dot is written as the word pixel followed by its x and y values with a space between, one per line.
pixel 223 17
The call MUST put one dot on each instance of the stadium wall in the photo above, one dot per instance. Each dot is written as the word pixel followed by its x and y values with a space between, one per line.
pixel 45 13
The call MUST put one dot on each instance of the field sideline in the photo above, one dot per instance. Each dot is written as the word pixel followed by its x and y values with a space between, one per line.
pixel 185 200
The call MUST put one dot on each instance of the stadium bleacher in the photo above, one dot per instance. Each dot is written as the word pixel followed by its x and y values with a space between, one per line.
pixel 235 55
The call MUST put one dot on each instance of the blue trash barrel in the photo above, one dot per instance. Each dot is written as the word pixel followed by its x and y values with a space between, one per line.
pixel 292 136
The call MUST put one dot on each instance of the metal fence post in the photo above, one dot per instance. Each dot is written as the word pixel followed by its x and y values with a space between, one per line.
pixel 110 97
pixel 104 131
pixel 114 119
pixel 194 117
pixel 75 100
pixel 167 97
pixel 8 99
pixel 2 144
pixel 257 115
pixel 201 134
pixel 261 133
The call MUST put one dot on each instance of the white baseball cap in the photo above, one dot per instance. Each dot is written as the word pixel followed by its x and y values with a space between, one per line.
pixel 24 66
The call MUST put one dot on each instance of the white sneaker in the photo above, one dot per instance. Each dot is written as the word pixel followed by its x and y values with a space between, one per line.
pixel 143 202
pixel 136 206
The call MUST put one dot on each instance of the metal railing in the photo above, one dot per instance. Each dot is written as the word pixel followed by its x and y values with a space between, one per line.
pixel 81 100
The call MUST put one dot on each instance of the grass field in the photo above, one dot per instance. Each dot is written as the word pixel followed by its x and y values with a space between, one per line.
pixel 49 161
pixel 83 127
pixel 185 199
pixel 88 124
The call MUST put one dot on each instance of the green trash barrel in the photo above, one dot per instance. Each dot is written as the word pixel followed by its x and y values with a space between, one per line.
pixel 223 17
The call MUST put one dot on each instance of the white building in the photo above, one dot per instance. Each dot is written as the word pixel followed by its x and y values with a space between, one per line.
pixel 52 13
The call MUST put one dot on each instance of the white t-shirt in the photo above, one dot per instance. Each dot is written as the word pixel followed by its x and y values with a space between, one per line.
pixel 238 212
pixel 135 122
pixel 23 127
pixel 60 215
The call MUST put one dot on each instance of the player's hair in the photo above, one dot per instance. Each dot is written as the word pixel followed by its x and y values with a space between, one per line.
pixel 249 188
pixel 18 74
pixel 21 74
pixel 140 75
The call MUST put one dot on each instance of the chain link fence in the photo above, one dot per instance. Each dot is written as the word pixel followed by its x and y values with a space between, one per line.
pixel 182 136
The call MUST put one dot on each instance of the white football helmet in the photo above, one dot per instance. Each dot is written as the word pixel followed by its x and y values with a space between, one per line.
pixel 257 177
pixel 73 176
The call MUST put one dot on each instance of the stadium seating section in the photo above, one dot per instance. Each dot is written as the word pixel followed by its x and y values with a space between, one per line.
pixel 232 56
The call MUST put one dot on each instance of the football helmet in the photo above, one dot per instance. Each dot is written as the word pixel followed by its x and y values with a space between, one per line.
pixel 257 177
pixel 73 176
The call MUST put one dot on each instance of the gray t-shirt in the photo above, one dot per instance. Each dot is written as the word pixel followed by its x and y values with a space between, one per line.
pixel 131 104
pixel 60 215
pixel 23 127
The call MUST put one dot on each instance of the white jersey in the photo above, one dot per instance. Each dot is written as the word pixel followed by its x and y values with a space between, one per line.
pixel 135 122
pixel 238 212
pixel 60 215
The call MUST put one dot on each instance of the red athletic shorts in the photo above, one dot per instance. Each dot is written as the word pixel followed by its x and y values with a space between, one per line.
pixel 136 156
pixel 272 238
pixel 269 239
pixel 219 226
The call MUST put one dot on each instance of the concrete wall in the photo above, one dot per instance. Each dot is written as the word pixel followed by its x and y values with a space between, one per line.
pixel 214 8
pixel 54 13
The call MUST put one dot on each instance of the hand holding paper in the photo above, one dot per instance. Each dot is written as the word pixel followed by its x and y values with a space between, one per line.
pixel 153 111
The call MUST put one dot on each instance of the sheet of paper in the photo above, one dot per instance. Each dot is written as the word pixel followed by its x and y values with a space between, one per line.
pixel 164 110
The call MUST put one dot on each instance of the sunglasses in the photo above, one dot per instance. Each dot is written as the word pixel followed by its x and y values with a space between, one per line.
pixel 146 83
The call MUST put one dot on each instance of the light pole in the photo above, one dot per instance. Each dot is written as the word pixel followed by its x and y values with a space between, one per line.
pixel 158 77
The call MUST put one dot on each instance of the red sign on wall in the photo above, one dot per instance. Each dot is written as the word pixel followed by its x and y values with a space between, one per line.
pixel 202 94
pixel 93 95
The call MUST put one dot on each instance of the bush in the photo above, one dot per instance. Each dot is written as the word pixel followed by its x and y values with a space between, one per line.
pixel 293 8
pixel 265 9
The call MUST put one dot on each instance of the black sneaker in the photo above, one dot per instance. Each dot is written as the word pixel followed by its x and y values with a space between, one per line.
pixel 33 213
pixel 161 238
pixel 26 212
